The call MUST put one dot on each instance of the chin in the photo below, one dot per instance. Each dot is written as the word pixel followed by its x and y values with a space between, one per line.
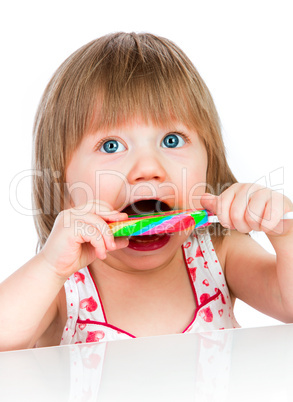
pixel 141 258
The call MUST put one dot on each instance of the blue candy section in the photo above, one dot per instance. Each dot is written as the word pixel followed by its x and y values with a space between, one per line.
pixel 152 225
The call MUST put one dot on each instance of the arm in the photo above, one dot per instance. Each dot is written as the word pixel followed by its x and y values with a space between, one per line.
pixel 253 276
pixel 263 280
pixel 29 304
pixel 29 298
pixel 283 246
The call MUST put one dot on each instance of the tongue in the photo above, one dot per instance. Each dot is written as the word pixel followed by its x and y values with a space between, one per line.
pixel 148 242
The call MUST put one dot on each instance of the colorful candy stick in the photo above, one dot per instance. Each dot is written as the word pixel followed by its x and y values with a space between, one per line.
pixel 160 222
pixel 166 222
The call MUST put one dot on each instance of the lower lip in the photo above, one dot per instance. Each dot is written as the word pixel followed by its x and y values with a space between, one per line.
pixel 157 241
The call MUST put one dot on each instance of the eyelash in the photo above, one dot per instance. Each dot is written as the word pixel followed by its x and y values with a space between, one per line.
pixel 184 136
pixel 103 141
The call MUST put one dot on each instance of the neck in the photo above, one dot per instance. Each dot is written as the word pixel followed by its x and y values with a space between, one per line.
pixel 112 273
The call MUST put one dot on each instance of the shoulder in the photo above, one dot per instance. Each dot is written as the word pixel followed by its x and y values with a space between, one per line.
pixel 244 261
pixel 235 244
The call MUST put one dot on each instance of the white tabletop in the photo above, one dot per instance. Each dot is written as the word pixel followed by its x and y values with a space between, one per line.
pixel 253 364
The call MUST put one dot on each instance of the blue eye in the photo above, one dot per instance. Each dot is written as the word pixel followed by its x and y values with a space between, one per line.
pixel 173 141
pixel 112 146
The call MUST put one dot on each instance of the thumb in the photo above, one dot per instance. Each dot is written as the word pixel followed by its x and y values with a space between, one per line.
pixel 209 202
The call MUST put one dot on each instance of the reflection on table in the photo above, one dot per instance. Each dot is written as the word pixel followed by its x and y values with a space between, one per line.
pixel 240 364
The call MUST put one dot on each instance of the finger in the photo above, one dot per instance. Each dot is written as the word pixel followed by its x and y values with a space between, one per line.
pixel 254 213
pixel 89 234
pixel 273 214
pixel 246 197
pixel 103 230
pixel 106 211
pixel 209 201
pixel 93 236
pixel 121 242
pixel 256 206
pixel 100 208
pixel 238 210
pixel 115 216
pixel 224 203
pixel 237 216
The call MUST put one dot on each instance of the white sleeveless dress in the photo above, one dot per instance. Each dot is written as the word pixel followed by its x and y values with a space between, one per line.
pixel 86 319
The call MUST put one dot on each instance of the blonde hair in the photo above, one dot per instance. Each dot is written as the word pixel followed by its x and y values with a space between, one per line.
pixel 106 83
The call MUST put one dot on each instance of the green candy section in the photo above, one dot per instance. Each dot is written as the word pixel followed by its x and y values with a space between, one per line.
pixel 137 226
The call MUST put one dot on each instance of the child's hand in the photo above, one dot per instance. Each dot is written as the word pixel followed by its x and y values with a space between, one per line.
pixel 79 236
pixel 247 207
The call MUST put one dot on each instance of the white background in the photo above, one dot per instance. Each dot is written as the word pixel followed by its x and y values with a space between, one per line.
pixel 242 49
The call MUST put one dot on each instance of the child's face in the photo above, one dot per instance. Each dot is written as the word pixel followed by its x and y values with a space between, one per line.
pixel 139 162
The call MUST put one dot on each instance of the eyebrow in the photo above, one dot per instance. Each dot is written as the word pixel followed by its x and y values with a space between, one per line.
pixel 176 127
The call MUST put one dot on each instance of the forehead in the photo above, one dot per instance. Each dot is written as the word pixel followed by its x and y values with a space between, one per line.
pixel 139 126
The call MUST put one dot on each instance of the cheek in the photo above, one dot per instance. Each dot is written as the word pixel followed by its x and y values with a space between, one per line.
pixel 111 187
pixel 194 192
pixel 107 186
pixel 193 182
pixel 80 191
pixel 80 182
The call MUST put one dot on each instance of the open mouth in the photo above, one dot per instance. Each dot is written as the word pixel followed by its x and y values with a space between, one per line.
pixel 147 242
pixel 146 206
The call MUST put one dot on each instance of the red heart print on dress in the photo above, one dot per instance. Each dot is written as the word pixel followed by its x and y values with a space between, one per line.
pixel 193 273
pixel 89 304
pixel 221 312
pixel 206 282
pixel 81 326
pixel 198 252
pixel 204 297
pixel 94 336
pixel 189 260
pixel 79 277
pixel 187 245
pixel 206 314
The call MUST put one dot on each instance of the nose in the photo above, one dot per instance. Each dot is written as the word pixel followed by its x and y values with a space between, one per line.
pixel 147 166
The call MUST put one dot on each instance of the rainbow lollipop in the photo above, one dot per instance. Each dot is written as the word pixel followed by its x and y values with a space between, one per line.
pixel 160 222
pixel 166 222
